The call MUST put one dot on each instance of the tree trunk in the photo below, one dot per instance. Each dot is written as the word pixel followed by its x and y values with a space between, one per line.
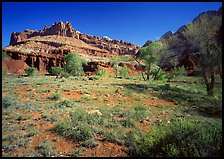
pixel 156 75
pixel 148 73
pixel 220 69
pixel 141 71
pixel 209 84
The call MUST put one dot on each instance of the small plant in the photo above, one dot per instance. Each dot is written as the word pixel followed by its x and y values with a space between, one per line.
pixel 55 71
pixel 30 71
pixel 176 72
pixel 45 149
pixel 139 108
pixel 8 101
pixel 90 143
pixel 55 96
pixel 101 72
pixel 32 133
pixel 77 127
pixel 65 103
pixel 124 71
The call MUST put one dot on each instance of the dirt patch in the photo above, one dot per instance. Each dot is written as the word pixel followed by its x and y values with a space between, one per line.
pixel 75 95
pixel 106 149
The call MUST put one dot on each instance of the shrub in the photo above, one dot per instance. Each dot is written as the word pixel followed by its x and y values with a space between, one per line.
pixel 101 72
pixel 90 143
pixel 157 73
pixel 73 64
pixel 7 101
pixel 124 71
pixel 55 71
pixel 45 149
pixel 4 72
pixel 30 71
pixel 181 139
pixel 177 71
pixel 76 126
pixel 55 96
pixel 65 74
pixel 139 108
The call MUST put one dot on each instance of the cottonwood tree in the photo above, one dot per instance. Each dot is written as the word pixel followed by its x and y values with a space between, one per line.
pixel 73 64
pixel 201 34
pixel 150 55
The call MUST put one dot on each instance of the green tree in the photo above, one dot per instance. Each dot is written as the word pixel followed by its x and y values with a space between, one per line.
pixel 73 64
pixel 201 34
pixel 150 55
pixel 115 61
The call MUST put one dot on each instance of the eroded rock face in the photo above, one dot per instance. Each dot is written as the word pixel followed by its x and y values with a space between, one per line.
pixel 148 42
pixel 42 61
pixel 118 47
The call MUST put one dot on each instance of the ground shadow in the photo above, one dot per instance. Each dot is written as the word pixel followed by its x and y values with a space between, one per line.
pixel 198 102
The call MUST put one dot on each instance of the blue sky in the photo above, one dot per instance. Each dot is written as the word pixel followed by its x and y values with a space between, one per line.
pixel 134 22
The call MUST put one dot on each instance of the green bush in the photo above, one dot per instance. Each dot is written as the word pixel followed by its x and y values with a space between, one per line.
pixel 65 74
pixel 157 73
pixel 76 127
pixel 73 64
pixel 181 139
pixel 101 72
pixel 4 72
pixel 8 101
pixel 55 71
pixel 124 71
pixel 176 72
pixel 45 149
pixel 30 71
pixel 55 96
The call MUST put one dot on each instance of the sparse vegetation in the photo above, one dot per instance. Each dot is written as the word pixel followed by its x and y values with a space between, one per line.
pixel 30 71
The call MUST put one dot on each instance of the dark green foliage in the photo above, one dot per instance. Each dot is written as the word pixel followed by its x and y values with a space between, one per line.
pixel 30 71
pixel 73 64
pixel 55 71
pixel 181 139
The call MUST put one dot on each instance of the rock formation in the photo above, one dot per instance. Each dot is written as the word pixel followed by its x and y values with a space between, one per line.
pixel 45 48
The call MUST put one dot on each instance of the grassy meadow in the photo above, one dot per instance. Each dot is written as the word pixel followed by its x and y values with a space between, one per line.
pixel 107 116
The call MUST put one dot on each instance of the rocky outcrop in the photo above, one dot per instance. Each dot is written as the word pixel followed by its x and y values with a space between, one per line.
pixel 118 47
pixel 167 35
pixel 58 28
pixel 148 42
pixel 42 61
